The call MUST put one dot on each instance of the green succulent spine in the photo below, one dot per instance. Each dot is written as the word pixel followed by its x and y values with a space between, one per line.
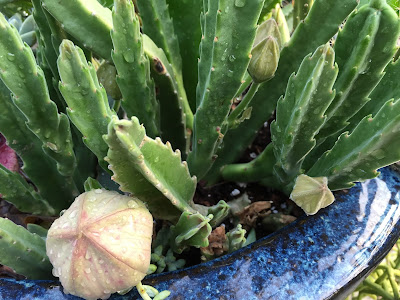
pixel 26 81
pixel 23 251
pixel 222 66
pixel 87 101
pixel 133 68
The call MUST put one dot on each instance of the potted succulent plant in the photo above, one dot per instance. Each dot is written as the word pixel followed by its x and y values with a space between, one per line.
pixel 131 90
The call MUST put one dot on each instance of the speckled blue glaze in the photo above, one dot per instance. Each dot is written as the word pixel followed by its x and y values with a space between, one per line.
pixel 323 256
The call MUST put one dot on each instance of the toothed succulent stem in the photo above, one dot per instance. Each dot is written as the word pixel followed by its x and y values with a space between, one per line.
pixel 20 248
pixel 361 58
pixel 221 69
pixel 322 23
pixel 87 101
pixel 128 55
pixel 58 190
pixel 300 10
pixel 26 81
pixel 166 185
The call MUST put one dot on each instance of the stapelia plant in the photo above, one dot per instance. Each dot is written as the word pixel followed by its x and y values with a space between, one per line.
pixel 131 90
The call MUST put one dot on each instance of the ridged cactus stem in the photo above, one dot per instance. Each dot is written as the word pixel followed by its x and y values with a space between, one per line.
pixel 90 23
pixel 174 118
pixel 49 53
pixel 300 114
pixel 15 189
pixel 26 81
pixel 300 10
pixel 95 34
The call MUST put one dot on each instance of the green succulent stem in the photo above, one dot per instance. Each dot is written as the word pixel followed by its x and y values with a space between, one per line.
pixel 158 25
pixel 322 23
pixel 58 190
pixel 185 16
pixel 221 70
pixel 165 182
pixel 378 290
pixel 26 81
pixel 258 168
pixel 23 251
pixel 87 101
pixel 358 155
pixel 233 116
pixel 133 68
pixel 361 63
pixel 300 10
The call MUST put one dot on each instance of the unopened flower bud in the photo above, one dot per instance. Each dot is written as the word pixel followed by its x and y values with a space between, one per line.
pixel 266 29
pixel 264 60
pixel 101 244
pixel 312 193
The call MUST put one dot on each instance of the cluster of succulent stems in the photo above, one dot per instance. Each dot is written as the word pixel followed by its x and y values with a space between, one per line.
pixel 137 96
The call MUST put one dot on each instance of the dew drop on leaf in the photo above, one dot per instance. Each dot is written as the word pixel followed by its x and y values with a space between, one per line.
pixel 10 56
pixel 240 3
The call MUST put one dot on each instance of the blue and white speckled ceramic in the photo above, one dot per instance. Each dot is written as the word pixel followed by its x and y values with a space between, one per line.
pixel 323 256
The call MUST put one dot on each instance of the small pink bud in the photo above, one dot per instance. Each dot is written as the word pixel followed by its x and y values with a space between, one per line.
pixel 101 244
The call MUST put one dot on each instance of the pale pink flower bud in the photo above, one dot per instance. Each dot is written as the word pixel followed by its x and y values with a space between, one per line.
pixel 101 244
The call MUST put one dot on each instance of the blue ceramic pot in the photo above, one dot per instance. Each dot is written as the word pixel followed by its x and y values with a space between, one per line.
pixel 324 256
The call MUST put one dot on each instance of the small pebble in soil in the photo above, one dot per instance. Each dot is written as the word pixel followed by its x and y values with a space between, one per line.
pixel 235 192
pixel 253 155
pixel 283 205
